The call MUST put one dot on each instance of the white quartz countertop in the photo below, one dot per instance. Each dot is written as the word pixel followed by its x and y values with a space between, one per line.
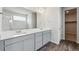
pixel 12 34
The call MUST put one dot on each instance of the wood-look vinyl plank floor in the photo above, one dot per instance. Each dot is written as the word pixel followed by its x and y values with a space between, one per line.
pixel 64 45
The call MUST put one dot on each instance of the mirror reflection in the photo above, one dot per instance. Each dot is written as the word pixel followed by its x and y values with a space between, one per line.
pixel 18 18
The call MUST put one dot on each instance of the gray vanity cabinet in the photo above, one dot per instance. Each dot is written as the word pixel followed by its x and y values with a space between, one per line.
pixel 14 44
pixel 1 45
pixel 29 43
pixel 46 36
pixel 23 43
pixel 18 46
pixel 38 40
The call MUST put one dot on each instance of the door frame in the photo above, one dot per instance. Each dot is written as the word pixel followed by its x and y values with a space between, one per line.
pixel 64 21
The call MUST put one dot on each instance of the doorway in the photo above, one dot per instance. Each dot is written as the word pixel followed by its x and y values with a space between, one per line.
pixel 71 24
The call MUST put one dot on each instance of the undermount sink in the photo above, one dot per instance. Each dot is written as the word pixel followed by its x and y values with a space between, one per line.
pixel 19 34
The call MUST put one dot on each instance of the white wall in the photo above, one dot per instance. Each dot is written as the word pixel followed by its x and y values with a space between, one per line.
pixel 0 20
pixel 51 18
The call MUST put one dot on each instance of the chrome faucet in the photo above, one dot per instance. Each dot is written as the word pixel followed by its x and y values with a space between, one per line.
pixel 18 31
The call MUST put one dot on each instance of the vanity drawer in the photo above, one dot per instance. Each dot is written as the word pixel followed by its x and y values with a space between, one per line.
pixel 18 46
pixel 30 36
pixel 12 40
pixel 1 45
pixel 47 32
pixel 38 34
pixel 16 39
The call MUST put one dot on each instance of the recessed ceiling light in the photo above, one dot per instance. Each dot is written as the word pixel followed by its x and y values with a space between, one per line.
pixel 67 11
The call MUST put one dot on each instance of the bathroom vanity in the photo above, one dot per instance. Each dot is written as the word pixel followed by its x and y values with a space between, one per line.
pixel 28 41
pixel 19 31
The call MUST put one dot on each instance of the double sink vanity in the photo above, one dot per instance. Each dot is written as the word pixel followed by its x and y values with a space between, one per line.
pixel 24 40
pixel 20 31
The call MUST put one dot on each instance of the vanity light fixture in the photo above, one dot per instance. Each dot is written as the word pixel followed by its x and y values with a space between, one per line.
pixel 41 10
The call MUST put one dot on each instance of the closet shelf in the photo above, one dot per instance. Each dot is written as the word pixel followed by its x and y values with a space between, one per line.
pixel 70 21
pixel 71 33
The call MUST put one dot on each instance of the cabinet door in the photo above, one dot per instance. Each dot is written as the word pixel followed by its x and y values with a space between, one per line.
pixel 38 40
pixel 0 9
pixel 18 46
pixel 1 45
pixel 29 43
pixel 46 37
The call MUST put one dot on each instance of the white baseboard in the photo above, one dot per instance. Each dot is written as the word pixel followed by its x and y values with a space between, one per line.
pixel 56 42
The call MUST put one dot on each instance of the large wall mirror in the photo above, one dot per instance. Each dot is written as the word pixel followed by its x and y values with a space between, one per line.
pixel 18 18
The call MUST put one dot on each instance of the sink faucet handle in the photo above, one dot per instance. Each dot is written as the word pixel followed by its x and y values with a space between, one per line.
pixel 18 31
